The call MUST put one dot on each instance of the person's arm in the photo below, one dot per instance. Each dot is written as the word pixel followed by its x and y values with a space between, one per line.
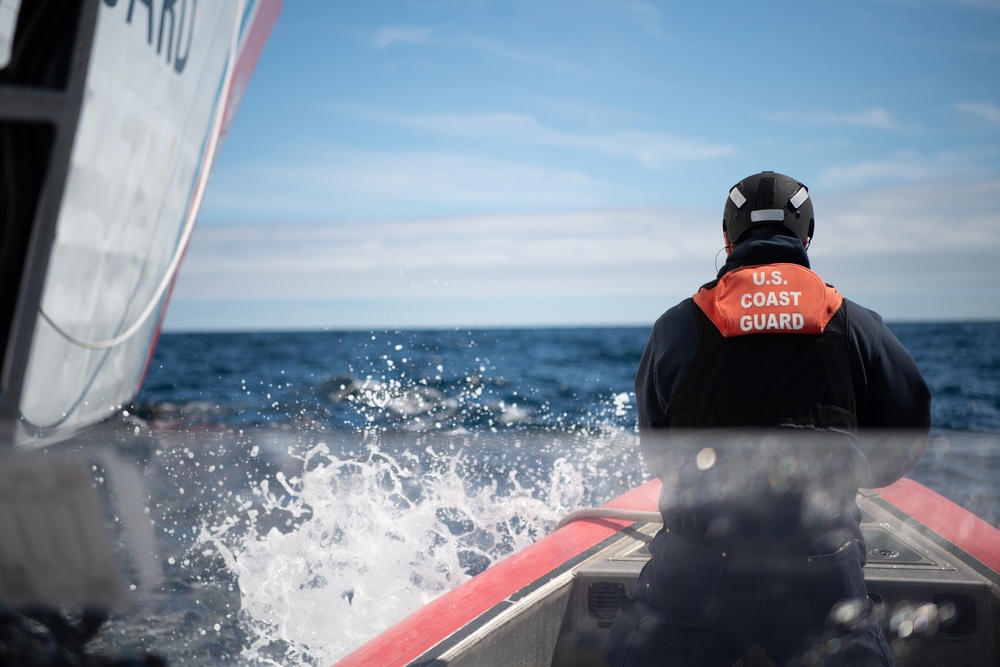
pixel 649 411
pixel 898 396
pixel 669 353
pixel 896 415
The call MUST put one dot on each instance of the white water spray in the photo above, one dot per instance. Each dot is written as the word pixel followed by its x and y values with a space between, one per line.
pixel 329 559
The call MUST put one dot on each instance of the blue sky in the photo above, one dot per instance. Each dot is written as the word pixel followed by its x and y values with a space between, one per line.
pixel 565 162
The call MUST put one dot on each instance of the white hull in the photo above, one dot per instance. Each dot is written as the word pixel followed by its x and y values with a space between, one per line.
pixel 138 121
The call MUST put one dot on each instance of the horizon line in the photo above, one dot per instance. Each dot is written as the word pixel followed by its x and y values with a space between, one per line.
pixel 501 327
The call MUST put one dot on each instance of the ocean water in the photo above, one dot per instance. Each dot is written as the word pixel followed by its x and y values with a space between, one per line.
pixel 307 490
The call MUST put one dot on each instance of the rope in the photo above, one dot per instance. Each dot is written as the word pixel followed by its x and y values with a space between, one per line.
pixel 609 513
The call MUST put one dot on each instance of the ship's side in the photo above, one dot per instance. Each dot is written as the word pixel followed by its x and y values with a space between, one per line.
pixel 111 114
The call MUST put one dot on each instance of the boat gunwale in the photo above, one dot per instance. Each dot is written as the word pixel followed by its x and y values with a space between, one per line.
pixel 448 619
pixel 959 531
pixel 427 633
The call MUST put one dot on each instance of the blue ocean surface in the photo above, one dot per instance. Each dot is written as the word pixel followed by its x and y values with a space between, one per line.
pixel 309 489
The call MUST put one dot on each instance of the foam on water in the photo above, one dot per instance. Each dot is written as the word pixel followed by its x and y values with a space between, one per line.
pixel 310 489
pixel 327 559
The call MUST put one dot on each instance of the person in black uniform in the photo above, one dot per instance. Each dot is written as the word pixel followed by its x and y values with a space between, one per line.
pixel 764 402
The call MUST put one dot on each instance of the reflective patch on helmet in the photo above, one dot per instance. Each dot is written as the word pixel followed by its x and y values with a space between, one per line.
pixel 737 197
pixel 767 215
pixel 799 197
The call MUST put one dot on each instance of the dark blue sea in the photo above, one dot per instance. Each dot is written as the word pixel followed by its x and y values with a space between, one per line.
pixel 309 489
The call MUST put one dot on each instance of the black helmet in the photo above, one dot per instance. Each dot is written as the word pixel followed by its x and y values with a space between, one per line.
pixel 768 201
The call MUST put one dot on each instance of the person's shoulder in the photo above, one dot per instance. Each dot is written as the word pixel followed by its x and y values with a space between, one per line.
pixel 678 315
pixel 677 328
pixel 868 329
pixel 861 316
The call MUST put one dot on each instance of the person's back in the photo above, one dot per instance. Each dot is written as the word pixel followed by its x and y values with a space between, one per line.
pixel 755 398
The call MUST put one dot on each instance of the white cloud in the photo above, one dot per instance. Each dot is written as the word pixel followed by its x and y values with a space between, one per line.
pixel 449 177
pixel 905 165
pixel 930 246
pixel 980 4
pixel 654 150
pixel 986 110
pixel 647 16
pixel 915 252
pixel 386 37
pixel 553 254
pixel 515 54
pixel 380 184
pixel 950 220
pixel 988 5
pixel 315 180
pixel 594 245
pixel 911 166
pixel 876 117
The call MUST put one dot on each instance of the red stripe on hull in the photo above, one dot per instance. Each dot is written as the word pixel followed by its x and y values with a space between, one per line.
pixel 952 522
pixel 413 636
pixel 434 622
pixel 264 21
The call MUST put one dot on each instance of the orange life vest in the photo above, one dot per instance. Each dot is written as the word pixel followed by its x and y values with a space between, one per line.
pixel 776 377
pixel 773 298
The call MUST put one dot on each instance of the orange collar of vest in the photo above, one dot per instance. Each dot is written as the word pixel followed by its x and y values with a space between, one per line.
pixel 769 299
